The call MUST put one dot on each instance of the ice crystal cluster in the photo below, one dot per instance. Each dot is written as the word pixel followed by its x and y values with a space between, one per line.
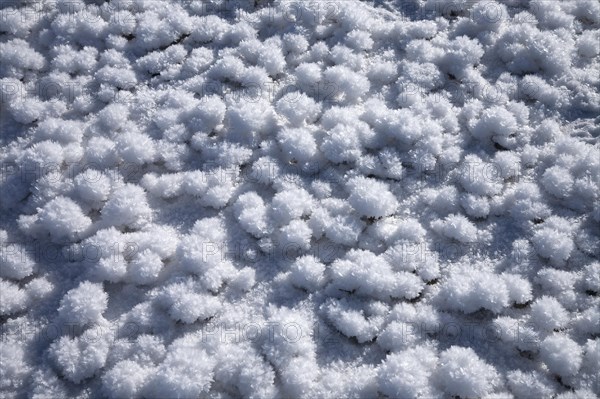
pixel 296 199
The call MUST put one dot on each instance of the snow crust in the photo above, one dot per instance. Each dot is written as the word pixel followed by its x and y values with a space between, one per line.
pixel 294 199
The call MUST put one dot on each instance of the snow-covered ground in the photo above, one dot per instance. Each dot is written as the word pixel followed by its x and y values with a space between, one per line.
pixel 300 199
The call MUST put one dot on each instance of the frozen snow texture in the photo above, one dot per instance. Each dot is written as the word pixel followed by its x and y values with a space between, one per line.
pixel 186 305
pixel 470 290
pixel 370 197
pixel 127 206
pixel 408 373
pixel 252 214
pixel 272 199
pixel 461 372
pixel 125 379
pixel 457 227
pixel 370 275
pixel 307 272
pixel 186 372
pixel 548 314
pixel 82 357
pixel 561 354
pixel 63 219
pixel 84 304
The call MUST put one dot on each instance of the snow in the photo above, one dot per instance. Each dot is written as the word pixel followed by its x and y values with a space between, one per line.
pixel 93 186
pixel 468 291
pixel 461 372
pixel 298 108
pixel 127 206
pixel 561 354
pixel 84 304
pixel 144 267
pixel 252 214
pixel 186 305
pixel 186 372
pixel 530 383
pixel 298 143
pixel 307 272
pixel 63 219
pixel 408 373
pixel 548 314
pixel 275 199
pixel 80 358
pixel 370 197
pixel 125 379
pixel 456 227
pixel 553 241
pixel 367 274
pixel 14 299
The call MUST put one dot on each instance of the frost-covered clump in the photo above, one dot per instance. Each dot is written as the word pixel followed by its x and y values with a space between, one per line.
pixel 298 108
pixel 548 314
pixel 186 372
pixel 136 148
pixel 468 290
pixel 291 204
pixel 298 143
pixel 337 221
pixel 214 187
pixel 407 325
pixel 591 278
pixel 14 299
pixel 82 357
pixel 125 379
pixel 296 357
pixel 561 354
pixel 204 252
pixel 252 214
pixel 558 181
pixel 307 272
pixel 408 373
pixel 557 282
pixel 61 218
pixel 392 229
pixel 15 367
pixel 530 383
pixel 349 85
pixel 145 267
pixel 495 124
pixel 93 187
pixel 343 143
pixel 84 304
pixel 248 120
pixel 519 288
pixel 187 304
pixel 553 241
pixel 262 199
pixel 366 274
pixel 104 254
pixel 525 201
pixel 295 235
pixel 461 372
pixel 525 49
pixel 354 320
pixel 480 177
pixel 15 263
pixel 456 227
pixel 417 257
pixel 127 206
pixel 370 197
pixel 242 367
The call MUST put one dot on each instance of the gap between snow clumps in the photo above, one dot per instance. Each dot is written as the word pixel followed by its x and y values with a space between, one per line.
pixel 300 199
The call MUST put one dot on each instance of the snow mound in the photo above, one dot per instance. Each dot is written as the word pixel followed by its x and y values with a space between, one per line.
pixel 296 199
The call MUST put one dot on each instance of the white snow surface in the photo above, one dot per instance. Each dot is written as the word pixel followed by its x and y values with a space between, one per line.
pixel 300 199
